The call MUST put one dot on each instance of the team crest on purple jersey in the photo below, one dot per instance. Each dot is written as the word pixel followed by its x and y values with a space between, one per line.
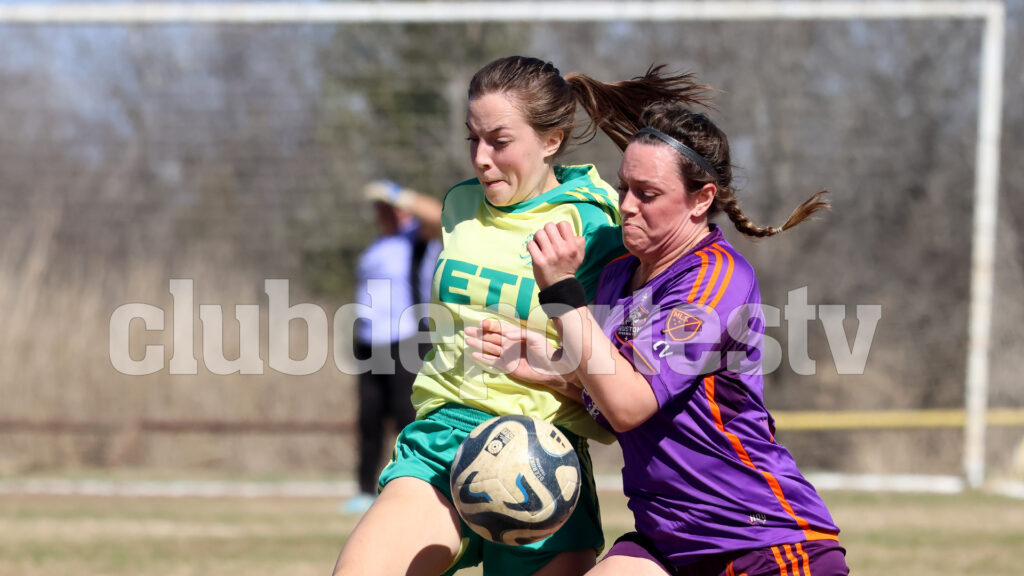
pixel 636 318
pixel 681 326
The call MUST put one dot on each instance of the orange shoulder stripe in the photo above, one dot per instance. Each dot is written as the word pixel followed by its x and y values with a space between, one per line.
pixel 726 279
pixel 700 275
pixel 714 277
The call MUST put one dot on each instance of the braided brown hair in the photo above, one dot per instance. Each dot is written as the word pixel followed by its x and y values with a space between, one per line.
pixel 548 101
pixel 699 133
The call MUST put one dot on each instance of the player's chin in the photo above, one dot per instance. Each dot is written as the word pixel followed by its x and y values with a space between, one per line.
pixel 634 239
pixel 498 193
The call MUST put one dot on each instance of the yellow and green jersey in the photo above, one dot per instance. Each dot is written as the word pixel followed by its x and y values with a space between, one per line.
pixel 485 271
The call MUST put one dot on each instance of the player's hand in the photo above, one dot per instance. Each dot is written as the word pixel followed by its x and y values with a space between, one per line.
pixel 523 354
pixel 389 193
pixel 557 253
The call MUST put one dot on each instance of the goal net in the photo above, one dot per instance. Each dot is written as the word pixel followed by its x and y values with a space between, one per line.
pixel 226 144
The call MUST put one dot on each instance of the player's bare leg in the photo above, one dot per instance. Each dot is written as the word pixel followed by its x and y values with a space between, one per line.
pixel 574 563
pixel 619 565
pixel 411 530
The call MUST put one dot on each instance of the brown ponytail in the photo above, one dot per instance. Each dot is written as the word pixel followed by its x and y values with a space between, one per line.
pixel 731 207
pixel 615 107
pixel 548 101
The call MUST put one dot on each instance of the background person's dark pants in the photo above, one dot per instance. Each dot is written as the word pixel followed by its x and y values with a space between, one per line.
pixel 381 396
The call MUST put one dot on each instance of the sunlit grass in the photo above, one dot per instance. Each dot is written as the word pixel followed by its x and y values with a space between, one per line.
pixel 47 535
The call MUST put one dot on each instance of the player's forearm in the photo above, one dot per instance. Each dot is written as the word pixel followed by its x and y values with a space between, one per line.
pixel 567 388
pixel 426 209
pixel 622 394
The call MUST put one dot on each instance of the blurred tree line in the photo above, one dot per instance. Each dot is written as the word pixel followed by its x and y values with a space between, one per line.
pixel 234 154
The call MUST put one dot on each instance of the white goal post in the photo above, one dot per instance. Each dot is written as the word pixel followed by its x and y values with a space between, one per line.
pixel 991 13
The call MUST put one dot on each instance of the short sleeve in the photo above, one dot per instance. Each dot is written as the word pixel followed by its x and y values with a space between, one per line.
pixel 604 243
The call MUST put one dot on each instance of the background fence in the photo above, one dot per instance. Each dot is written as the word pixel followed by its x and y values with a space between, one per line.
pixel 232 153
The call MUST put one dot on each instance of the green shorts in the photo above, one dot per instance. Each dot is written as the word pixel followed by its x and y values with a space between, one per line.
pixel 426 449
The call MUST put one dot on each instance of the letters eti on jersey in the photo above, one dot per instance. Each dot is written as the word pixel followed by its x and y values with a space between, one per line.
pixel 502 287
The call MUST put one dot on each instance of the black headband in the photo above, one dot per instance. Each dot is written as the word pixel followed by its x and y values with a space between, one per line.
pixel 683 149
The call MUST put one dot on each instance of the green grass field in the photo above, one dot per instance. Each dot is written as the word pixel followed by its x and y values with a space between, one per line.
pixel 48 535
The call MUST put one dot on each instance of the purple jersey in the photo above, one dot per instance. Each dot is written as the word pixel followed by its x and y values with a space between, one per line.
pixel 704 475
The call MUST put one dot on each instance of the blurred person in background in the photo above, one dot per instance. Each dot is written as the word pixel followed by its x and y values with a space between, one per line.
pixel 392 275
pixel 670 360
pixel 520 119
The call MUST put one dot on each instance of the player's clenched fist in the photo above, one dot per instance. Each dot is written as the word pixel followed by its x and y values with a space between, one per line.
pixel 557 253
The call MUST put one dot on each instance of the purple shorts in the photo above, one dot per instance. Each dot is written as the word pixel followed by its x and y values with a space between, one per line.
pixel 817 558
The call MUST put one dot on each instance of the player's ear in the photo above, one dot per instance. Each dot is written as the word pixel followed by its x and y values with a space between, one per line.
pixel 704 198
pixel 551 142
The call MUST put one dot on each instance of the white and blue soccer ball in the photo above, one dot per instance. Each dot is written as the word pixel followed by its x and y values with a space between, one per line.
pixel 515 480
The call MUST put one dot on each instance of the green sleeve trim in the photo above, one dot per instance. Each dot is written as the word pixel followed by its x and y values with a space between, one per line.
pixel 604 243
pixel 464 196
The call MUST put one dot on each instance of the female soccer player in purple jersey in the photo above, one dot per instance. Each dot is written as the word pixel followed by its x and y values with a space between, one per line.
pixel 670 360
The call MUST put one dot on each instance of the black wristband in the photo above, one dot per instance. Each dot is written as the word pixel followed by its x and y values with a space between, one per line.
pixel 562 296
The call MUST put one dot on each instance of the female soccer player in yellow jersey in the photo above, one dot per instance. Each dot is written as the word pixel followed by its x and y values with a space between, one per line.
pixel 520 118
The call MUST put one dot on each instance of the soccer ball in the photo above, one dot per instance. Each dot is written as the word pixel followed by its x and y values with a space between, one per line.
pixel 515 480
